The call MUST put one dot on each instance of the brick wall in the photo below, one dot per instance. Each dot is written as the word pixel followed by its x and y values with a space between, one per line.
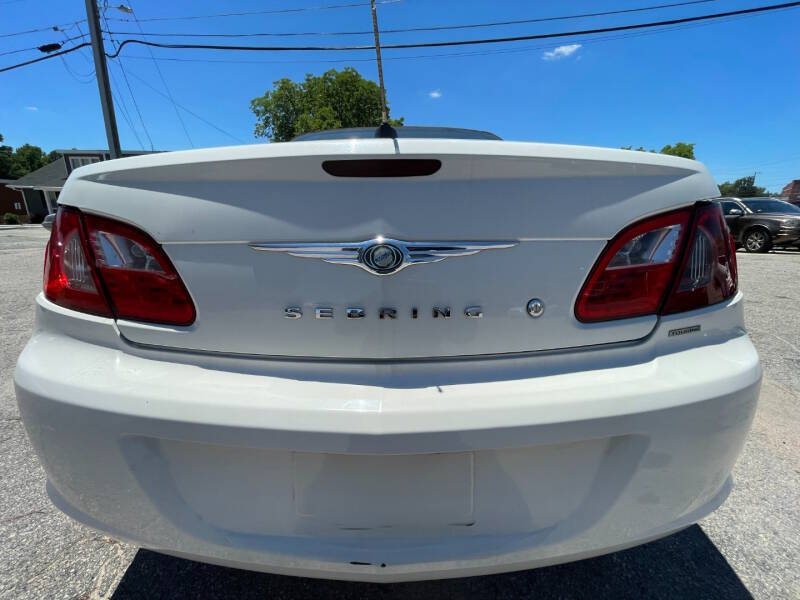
pixel 792 192
pixel 10 201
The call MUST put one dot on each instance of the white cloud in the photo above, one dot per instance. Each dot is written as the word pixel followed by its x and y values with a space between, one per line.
pixel 435 94
pixel 32 108
pixel 561 52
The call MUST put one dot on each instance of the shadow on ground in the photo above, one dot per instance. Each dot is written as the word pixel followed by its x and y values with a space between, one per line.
pixel 684 565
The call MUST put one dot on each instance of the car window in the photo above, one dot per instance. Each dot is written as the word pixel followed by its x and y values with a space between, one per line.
pixel 771 206
pixel 728 206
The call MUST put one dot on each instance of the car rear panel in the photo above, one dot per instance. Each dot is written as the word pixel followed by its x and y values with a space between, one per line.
pixel 555 206
pixel 446 456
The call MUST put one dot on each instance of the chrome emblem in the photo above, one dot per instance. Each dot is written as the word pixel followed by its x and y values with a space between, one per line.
pixel 382 256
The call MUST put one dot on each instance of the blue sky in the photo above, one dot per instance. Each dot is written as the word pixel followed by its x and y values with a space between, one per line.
pixel 731 87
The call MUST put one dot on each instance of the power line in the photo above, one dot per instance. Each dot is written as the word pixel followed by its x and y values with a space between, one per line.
pixel 500 40
pixel 194 114
pixel 259 12
pixel 88 78
pixel 638 26
pixel 7 52
pixel 130 91
pixel 123 110
pixel 89 61
pixel 41 58
pixel 39 29
pixel 135 104
pixel 419 29
pixel 119 101
pixel 163 81
pixel 401 30
pixel 760 165
pixel 39 47
pixel 80 78
pixel 74 75
pixel 515 50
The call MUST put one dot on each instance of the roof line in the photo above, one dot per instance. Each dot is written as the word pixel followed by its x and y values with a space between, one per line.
pixel 101 151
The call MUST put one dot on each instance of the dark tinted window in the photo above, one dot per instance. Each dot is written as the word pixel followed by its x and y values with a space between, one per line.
pixel 771 206
pixel 728 206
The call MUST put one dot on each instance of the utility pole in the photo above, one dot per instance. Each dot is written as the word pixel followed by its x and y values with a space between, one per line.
pixel 101 72
pixel 384 116
pixel 385 130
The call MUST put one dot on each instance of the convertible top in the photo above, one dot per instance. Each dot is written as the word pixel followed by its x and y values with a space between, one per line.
pixel 409 131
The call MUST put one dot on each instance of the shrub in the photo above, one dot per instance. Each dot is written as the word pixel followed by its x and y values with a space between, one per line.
pixel 11 219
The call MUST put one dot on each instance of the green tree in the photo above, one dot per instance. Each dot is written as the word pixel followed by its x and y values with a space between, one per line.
pixel 682 149
pixel 6 161
pixel 28 158
pixel 332 100
pixel 742 188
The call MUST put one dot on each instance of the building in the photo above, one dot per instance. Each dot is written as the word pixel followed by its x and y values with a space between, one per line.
pixel 10 201
pixel 791 192
pixel 40 188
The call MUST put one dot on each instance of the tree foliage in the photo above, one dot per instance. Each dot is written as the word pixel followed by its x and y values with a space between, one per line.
pixel 682 149
pixel 26 158
pixel 744 187
pixel 6 160
pixel 332 100
pixel 639 149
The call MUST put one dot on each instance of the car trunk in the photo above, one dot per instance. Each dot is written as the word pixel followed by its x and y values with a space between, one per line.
pixel 554 207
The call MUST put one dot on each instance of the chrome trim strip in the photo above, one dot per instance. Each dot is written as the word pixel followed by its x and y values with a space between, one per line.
pixel 358 254
pixel 248 242
pixel 144 348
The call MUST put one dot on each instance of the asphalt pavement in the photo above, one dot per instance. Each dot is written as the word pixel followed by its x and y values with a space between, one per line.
pixel 750 547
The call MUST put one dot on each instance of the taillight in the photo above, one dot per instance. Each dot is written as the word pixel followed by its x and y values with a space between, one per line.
pixel 637 274
pixel 631 277
pixel 69 280
pixel 105 267
pixel 708 274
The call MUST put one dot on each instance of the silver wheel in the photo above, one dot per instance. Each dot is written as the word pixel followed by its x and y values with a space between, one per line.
pixel 757 240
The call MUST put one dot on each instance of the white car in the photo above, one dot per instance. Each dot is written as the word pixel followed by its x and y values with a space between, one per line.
pixel 389 359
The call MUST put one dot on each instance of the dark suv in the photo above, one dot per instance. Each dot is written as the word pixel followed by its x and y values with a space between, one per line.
pixel 758 224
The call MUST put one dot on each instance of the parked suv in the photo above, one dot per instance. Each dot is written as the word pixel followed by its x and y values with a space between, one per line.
pixel 758 224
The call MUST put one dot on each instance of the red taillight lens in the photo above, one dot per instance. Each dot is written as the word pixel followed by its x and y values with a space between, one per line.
pixel 636 274
pixel 69 279
pixel 131 276
pixel 708 274
pixel 140 280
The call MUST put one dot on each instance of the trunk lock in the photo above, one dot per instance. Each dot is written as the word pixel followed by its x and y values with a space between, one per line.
pixel 535 308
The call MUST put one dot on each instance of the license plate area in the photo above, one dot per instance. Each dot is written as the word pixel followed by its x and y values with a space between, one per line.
pixel 381 491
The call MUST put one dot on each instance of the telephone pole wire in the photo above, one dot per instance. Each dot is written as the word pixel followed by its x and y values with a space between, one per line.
pixel 101 70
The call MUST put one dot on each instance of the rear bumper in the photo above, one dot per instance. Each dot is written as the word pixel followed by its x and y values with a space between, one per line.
pixel 374 482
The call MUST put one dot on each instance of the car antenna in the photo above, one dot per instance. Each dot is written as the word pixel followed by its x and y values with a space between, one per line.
pixel 385 130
